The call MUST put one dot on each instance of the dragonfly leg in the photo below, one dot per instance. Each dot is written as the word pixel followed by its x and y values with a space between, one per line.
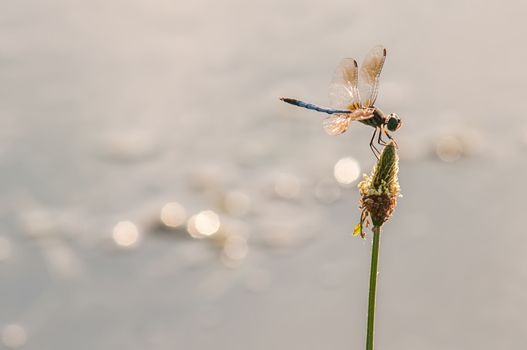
pixel 372 146
pixel 391 138
pixel 380 141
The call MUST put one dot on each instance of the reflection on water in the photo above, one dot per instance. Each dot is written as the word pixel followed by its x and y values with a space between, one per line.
pixel 111 107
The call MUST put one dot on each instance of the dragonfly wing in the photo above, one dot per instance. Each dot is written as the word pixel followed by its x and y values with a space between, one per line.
pixel 369 75
pixel 336 124
pixel 343 89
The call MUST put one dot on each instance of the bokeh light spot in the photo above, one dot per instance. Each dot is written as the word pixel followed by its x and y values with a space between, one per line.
pixel 346 170
pixel 125 234
pixel 237 203
pixel 203 224
pixel 327 191
pixel 14 336
pixel 5 248
pixel 287 186
pixel 449 148
pixel 234 251
pixel 173 214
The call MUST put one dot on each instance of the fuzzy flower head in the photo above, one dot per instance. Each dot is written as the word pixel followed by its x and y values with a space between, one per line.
pixel 380 190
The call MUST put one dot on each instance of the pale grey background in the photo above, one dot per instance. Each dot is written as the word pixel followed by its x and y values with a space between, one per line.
pixel 111 108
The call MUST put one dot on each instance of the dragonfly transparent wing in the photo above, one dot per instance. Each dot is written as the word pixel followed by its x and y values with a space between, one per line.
pixel 343 89
pixel 339 123
pixel 369 75
pixel 336 124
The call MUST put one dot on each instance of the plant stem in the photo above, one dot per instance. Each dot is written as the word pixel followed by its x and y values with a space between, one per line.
pixel 373 286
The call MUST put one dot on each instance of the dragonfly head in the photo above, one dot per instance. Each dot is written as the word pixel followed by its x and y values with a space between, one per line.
pixel 393 122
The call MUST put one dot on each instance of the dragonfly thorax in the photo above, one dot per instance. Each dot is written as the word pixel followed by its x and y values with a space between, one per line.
pixel 379 119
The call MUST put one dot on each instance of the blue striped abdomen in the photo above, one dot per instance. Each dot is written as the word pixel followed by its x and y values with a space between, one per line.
pixel 314 107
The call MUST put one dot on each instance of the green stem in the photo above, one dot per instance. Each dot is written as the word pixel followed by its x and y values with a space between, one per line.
pixel 373 286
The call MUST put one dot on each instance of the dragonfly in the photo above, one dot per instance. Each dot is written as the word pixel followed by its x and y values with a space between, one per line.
pixel 352 96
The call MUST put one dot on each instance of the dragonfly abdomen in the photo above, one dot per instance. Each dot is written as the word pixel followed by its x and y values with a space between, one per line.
pixel 313 107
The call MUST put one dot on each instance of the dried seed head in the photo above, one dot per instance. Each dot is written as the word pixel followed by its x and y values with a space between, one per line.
pixel 379 191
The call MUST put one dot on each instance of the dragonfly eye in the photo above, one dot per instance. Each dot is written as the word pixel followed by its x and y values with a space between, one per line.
pixel 393 123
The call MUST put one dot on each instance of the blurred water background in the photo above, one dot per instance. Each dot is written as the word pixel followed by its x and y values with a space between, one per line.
pixel 157 194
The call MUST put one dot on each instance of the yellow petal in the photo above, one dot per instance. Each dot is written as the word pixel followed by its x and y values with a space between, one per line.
pixel 358 230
